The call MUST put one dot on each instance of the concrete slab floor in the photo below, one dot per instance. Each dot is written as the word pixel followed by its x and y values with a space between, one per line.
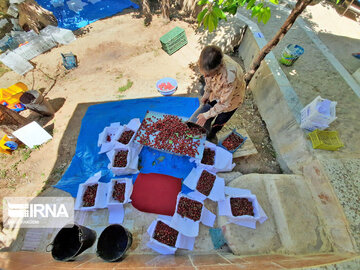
pixel 347 265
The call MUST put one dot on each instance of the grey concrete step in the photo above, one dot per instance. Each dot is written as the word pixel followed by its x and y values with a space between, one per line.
pixel 293 224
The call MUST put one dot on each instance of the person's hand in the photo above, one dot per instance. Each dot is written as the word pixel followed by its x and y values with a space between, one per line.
pixel 204 100
pixel 201 120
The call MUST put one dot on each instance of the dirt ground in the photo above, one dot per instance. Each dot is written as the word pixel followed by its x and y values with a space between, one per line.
pixel 115 54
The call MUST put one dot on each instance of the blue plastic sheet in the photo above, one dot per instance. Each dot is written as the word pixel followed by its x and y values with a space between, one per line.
pixel 87 161
pixel 90 13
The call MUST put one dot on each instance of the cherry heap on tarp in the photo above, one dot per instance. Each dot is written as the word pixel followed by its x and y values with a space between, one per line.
pixel 170 134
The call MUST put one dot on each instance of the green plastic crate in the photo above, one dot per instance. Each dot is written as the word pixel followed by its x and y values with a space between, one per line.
pixel 173 40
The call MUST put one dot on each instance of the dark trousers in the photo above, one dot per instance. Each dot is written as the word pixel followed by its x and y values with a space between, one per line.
pixel 220 120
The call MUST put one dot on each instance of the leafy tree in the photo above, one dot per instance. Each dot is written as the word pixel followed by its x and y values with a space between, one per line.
pixel 216 10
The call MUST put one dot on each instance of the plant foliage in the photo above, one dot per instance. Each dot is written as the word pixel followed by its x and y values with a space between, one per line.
pixel 216 10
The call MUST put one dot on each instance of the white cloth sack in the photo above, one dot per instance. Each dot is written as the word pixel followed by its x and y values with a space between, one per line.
pixel 189 227
pixel 224 208
pixel 132 161
pixel 223 159
pixel 100 199
pixel 116 208
pixel 111 130
pixel 133 125
pixel 182 241
pixel 217 192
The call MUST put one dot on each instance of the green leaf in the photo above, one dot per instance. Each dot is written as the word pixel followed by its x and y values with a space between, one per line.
pixel 211 22
pixel 250 4
pixel 206 21
pixel 260 15
pixel 220 2
pixel 161 158
pixel 229 3
pixel 267 15
pixel 219 13
pixel 275 2
pixel 242 2
pixel 255 11
pixel 201 15
pixel 231 9
pixel 216 21
pixel 202 2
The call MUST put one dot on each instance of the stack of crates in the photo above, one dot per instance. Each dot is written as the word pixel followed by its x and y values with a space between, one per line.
pixel 173 40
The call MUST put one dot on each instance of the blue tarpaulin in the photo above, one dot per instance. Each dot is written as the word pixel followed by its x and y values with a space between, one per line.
pixel 87 161
pixel 90 13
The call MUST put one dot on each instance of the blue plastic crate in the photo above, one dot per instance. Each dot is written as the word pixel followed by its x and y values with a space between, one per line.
pixel 69 60
pixel 238 134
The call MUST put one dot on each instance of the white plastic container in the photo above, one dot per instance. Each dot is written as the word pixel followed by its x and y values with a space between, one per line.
pixel 318 114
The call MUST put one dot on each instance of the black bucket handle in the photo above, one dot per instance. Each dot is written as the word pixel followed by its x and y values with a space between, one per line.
pixel 52 246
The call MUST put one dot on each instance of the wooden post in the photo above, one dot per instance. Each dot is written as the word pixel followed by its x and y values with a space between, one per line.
pixel 10 120
pixel 352 1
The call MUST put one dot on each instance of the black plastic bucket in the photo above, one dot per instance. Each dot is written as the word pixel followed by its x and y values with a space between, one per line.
pixel 194 125
pixel 113 243
pixel 72 241
pixel 202 109
pixel 34 101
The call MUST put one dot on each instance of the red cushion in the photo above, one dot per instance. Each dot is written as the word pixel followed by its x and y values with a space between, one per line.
pixel 156 193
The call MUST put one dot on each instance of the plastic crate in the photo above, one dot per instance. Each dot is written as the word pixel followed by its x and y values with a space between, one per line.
pixel 238 134
pixel 12 94
pixel 69 60
pixel 173 40
pixel 326 140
